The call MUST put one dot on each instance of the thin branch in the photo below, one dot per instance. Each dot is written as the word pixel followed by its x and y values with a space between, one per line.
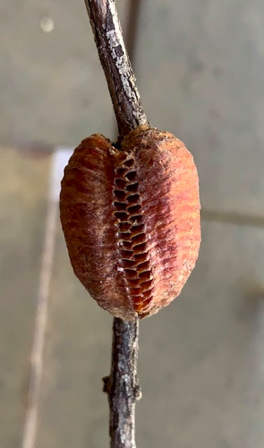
pixel 121 386
pixel 116 64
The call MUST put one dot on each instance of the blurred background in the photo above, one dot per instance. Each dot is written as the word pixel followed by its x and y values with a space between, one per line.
pixel 200 70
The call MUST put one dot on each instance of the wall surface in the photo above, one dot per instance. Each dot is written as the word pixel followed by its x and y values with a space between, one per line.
pixel 200 71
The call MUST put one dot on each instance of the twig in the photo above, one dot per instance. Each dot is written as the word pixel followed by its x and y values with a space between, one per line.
pixel 116 64
pixel 121 386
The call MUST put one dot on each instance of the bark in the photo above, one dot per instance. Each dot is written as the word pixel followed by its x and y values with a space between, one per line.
pixel 121 386
pixel 116 64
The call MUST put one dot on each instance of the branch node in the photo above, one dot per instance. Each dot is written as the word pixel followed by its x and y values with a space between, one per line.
pixel 137 392
pixel 106 384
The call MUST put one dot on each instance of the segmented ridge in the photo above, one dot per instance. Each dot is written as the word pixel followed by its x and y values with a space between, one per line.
pixel 132 239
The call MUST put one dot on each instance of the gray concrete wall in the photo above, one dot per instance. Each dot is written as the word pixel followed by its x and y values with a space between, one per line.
pixel 200 71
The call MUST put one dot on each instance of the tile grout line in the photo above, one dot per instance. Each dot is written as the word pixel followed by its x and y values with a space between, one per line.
pixel 132 26
pixel 59 160
pixel 234 218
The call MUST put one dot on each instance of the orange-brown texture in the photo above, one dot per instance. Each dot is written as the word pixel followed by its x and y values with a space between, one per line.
pixel 131 220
